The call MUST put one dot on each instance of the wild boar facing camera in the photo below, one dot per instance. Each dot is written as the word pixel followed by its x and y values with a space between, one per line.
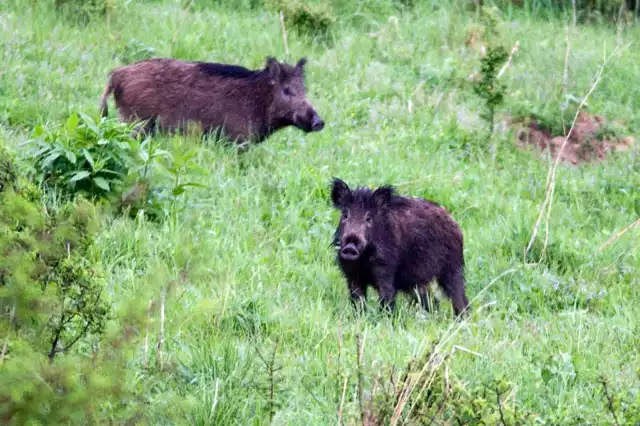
pixel 396 243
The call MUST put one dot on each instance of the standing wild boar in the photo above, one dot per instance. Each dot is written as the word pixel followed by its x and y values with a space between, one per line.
pixel 241 104
pixel 396 243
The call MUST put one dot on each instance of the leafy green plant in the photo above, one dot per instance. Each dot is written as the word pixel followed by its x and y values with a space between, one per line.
pixel 49 272
pixel 488 88
pixel 157 180
pixel 429 397
pixel 52 303
pixel 313 19
pixel 135 50
pixel 85 10
pixel 7 169
pixel 83 156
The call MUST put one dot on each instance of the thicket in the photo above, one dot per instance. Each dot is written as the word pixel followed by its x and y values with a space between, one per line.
pixel 52 304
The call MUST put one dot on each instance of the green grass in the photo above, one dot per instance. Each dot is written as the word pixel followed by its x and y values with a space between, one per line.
pixel 247 262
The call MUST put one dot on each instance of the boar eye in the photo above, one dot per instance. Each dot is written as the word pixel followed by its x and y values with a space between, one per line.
pixel 345 215
pixel 369 220
pixel 287 91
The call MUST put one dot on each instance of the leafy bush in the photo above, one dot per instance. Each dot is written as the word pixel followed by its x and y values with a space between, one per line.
pixel 134 51
pixel 313 19
pixel 489 88
pixel 7 171
pixel 157 181
pixel 59 364
pixel 85 9
pixel 423 395
pixel 83 156
pixel 49 274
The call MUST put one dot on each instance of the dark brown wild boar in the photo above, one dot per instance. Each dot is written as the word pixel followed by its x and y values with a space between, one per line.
pixel 241 104
pixel 395 243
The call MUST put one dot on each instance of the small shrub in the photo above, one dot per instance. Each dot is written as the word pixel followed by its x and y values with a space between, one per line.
pixel 84 156
pixel 85 10
pixel 135 51
pixel 52 303
pixel 157 181
pixel 7 169
pixel 428 397
pixel 49 273
pixel 488 88
pixel 313 19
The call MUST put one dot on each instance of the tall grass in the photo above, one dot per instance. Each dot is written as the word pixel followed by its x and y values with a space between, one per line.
pixel 246 262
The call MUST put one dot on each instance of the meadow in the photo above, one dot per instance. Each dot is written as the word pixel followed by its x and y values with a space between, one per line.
pixel 232 307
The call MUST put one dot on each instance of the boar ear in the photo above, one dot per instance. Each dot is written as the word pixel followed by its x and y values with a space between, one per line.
pixel 382 195
pixel 339 193
pixel 300 65
pixel 273 67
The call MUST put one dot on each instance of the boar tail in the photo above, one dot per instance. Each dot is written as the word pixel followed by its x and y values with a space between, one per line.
pixel 104 110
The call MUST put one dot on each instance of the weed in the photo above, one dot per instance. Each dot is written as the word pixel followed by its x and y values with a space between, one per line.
pixel 488 88
pixel 314 19
pixel 84 156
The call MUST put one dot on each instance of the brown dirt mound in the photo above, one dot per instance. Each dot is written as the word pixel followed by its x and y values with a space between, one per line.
pixel 589 141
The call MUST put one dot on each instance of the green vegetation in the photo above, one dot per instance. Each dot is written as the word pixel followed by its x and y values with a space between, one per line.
pixel 83 156
pixel 227 308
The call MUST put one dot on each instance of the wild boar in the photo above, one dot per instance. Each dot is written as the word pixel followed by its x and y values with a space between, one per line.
pixel 396 243
pixel 226 100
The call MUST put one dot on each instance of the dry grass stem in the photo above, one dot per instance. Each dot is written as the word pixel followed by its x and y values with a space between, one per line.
pixel 344 393
pixel 146 336
pixel 161 335
pixel 618 235
pixel 552 173
pixel 436 359
pixel 565 76
pixel 507 64
pixel 6 340
pixel 284 34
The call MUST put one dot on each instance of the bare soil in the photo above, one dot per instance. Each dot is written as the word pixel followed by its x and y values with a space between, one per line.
pixel 588 142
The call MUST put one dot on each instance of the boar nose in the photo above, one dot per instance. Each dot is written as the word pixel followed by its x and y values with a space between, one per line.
pixel 350 249
pixel 317 124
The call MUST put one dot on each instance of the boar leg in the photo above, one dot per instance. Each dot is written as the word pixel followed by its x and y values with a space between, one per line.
pixel 358 293
pixel 386 290
pixel 423 296
pixel 452 283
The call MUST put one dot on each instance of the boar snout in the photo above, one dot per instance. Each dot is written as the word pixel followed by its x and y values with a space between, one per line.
pixel 317 124
pixel 351 248
pixel 310 121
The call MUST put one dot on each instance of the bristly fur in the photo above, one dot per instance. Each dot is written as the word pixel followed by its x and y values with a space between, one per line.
pixel 222 100
pixel 229 71
pixel 401 244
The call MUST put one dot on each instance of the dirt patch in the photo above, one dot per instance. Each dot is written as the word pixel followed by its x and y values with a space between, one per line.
pixel 592 139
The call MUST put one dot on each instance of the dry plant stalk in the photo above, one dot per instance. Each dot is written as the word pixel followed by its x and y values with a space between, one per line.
pixel 161 335
pixel 618 235
pixel 436 359
pixel 507 64
pixel 284 34
pixel 551 178
pixel 146 336
pixel 6 340
pixel 360 345
pixel 344 392
pixel 565 76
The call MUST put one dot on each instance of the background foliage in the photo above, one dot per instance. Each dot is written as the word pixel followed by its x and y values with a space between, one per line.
pixel 206 277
